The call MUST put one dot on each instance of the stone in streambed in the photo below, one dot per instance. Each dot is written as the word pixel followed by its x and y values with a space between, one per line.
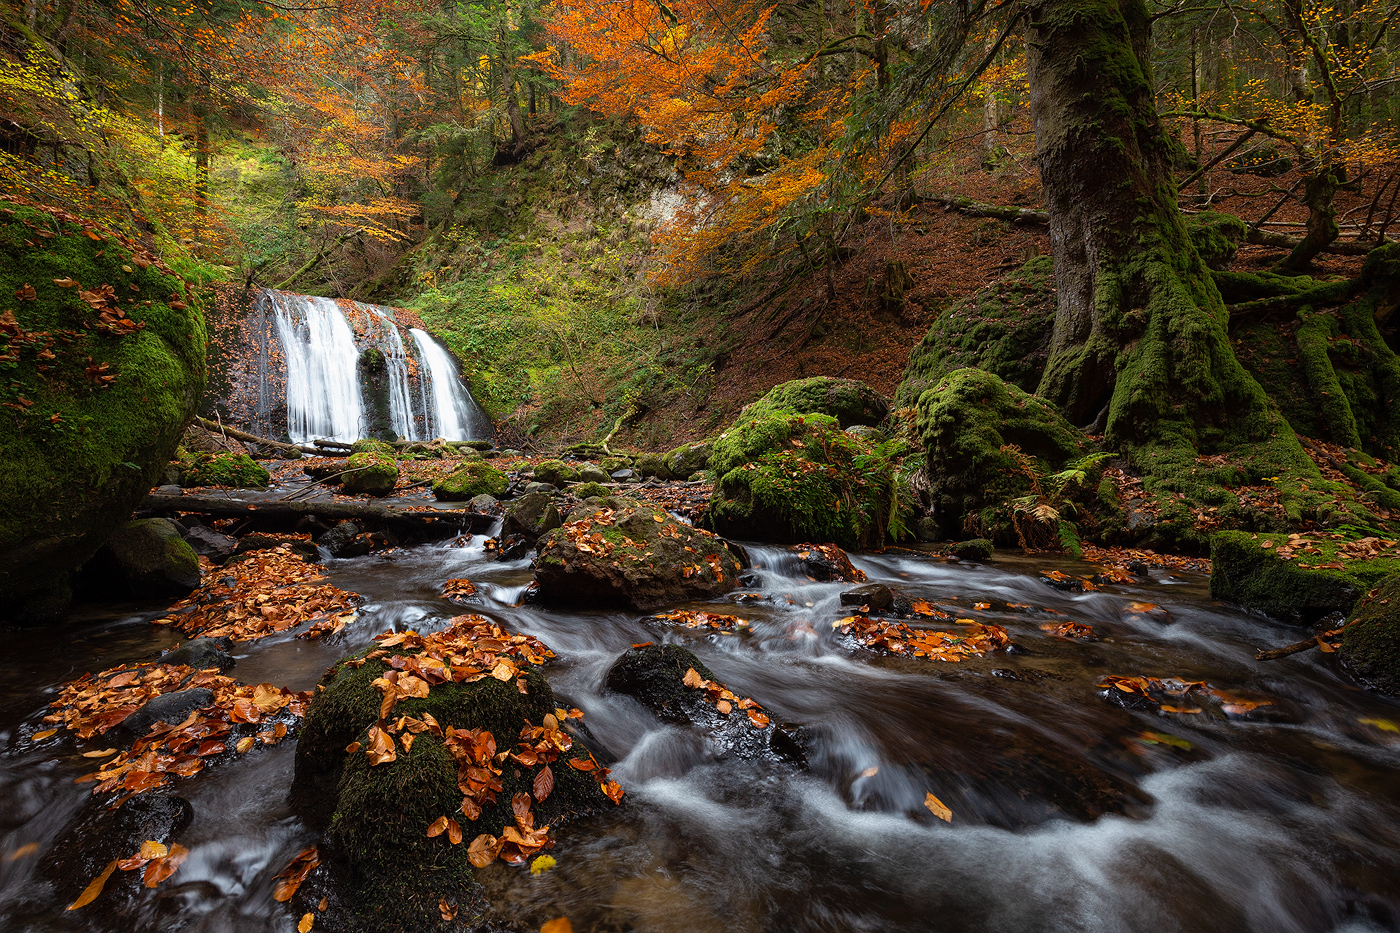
pixel 1371 643
pixel 151 558
pixel 99 835
pixel 1247 569
pixel 531 515
pixel 371 474
pixel 201 654
pixel 172 708
pixel 206 542
pixel 471 479
pixel 875 595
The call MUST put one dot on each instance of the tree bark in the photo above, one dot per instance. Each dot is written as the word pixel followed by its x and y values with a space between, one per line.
pixel 1139 344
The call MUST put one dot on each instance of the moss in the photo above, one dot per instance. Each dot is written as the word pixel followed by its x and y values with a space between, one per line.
pixel 964 423
pixel 793 478
pixel 378 814
pixel 974 549
pixel 1245 571
pixel 372 445
pixel 653 465
pixel 80 451
pixel 371 369
pixel 555 472
pixel 470 480
pixel 611 465
pixel 590 490
pixel 1004 329
pixel 1216 237
pixel 654 675
pixel 371 474
pixel 237 470
pixel 847 400
pixel 1371 643
pixel 688 459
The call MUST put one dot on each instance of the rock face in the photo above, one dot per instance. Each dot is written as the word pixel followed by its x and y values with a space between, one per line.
pixel 471 479
pixel 376 795
pixel 531 515
pixel 790 478
pixel 848 401
pixel 966 422
pixel 153 559
pixel 616 552
pixel 88 424
pixel 1371 643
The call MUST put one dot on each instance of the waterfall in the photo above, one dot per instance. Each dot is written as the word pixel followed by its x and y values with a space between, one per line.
pixel 337 390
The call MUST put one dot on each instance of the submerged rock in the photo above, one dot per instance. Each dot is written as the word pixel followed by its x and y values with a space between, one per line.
pixel 617 552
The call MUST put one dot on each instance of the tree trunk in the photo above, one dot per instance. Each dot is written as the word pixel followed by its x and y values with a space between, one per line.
pixel 1318 193
pixel 1139 345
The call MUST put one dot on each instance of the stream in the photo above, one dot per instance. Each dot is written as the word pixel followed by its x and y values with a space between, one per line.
pixel 1070 812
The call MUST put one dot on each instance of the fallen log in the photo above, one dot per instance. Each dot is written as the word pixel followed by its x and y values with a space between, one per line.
pixel 251 438
pixel 446 521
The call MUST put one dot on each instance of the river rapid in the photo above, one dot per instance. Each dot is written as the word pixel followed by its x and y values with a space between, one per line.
pixel 1070 812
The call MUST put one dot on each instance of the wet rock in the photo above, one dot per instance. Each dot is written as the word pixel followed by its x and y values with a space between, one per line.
pixel 621 552
pixel 339 538
pixel 688 459
pixel 875 595
pixel 170 489
pixel 1371 643
pixel 823 562
pixel 926 529
pixel 849 401
pixel 483 503
pixel 1247 569
pixel 554 472
pixel 370 473
pixel 99 835
pixel 201 654
pixel 532 515
pixel 168 707
pixel 654 676
pixel 513 547
pixel 207 542
pixel 534 489
pixel 653 465
pixel 624 475
pixel 976 549
pixel 151 559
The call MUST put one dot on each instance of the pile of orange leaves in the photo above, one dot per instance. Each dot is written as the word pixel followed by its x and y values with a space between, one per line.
pixel 724 699
pixel 94 704
pixel 897 638
pixel 1174 695
pixel 458 591
pixel 1074 630
pixel 714 620
pixel 263 594
pixel 159 861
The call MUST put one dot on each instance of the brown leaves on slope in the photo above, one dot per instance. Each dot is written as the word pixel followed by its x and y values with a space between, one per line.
pixel 898 638
pixel 262 594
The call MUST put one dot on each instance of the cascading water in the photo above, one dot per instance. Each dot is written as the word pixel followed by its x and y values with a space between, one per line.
pixel 331 392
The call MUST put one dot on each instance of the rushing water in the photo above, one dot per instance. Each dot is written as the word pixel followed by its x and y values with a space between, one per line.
pixel 324 396
pixel 1285 820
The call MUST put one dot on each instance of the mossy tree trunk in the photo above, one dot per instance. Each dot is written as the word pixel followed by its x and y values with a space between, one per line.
pixel 1139 345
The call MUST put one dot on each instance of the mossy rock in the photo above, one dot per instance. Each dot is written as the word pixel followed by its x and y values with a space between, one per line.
pixel 1246 569
pixel 611 465
pixel 790 478
pixel 653 465
pixel 369 445
pixel 965 423
pixel 1371 643
pixel 591 490
pixel 372 474
pixel 376 816
pixel 1216 236
pixel 151 559
pixel 849 401
pixel 471 479
pixel 688 459
pixel 85 437
pixel 1004 329
pixel 236 470
pixel 554 472
pixel 645 558
pixel 976 549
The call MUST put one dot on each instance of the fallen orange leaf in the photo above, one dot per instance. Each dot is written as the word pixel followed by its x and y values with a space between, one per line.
pixel 937 808
pixel 91 891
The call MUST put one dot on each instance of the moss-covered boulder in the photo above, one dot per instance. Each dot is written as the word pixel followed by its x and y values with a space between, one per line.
pixel 790 478
pixel 223 469
pixel 554 472
pixel 471 479
pixel 378 781
pixel 1371 643
pixel 370 445
pixel 531 515
pixel 968 424
pixel 1296 578
pixel 101 366
pixel 617 552
pixel 847 400
pixel 371 474
pixel 653 465
pixel 1004 329
pixel 688 459
pixel 150 558
pixel 590 490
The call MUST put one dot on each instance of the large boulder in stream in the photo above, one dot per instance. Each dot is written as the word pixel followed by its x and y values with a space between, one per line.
pixel 148 558
pixel 397 743
pixel 105 365
pixel 618 552
pixel 789 478
pixel 473 478
pixel 371 474
pixel 237 470
pixel 1371 643
pixel 100 835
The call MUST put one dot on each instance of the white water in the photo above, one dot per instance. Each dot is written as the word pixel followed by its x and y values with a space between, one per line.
pixel 453 413
pixel 324 395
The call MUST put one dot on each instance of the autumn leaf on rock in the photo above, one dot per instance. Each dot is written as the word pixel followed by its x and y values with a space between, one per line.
pixel 483 850
pixel 558 925
pixel 936 807
pixel 294 874
pixel 437 827
pixel 447 911
pixel 544 784
pixel 95 888
pixel 381 748
pixel 162 867
pixel 692 678
pixel 308 920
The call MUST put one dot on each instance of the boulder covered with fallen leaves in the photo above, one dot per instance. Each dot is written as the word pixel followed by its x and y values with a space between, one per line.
pixel 678 689
pixel 1371 641
pixel 787 478
pixel 1299 577
pixel 104 359
pixel 618 552
pixel 427 755
pixel 989 443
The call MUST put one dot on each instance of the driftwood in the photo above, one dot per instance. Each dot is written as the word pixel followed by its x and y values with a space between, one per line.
pixel 251 438
pixel 1317 641
pixel 446 521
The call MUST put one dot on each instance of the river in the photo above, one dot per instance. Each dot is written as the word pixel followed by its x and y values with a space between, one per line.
pixel 1069 812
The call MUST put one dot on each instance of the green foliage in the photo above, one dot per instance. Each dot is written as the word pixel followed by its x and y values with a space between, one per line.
pixel 849 401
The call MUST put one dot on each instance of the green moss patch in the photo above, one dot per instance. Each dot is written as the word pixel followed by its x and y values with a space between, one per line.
pixel 847 400
pixel 1371 643
pixel 373 474
pixel 471 479
pixel 236 470
pixel 1298 578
